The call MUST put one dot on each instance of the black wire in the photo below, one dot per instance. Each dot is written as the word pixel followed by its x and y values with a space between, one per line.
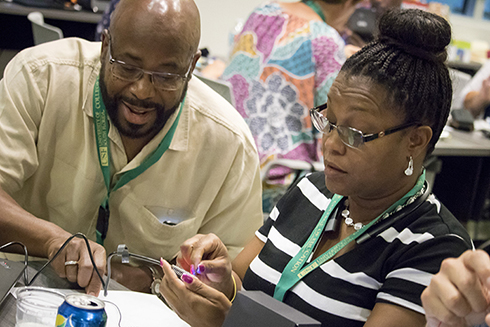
pixel 138 256
pixel 26 257
pixel 79 235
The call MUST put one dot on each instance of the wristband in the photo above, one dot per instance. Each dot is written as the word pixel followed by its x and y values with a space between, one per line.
pixel 234 288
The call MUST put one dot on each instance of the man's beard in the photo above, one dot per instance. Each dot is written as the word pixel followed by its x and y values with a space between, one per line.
pixel 133 130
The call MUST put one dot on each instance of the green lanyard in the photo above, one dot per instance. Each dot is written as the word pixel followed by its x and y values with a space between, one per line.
pixel 294 271
pixel 316 8
pixel 103 149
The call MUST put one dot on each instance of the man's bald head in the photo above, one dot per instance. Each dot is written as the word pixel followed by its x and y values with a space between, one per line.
pixel 179 19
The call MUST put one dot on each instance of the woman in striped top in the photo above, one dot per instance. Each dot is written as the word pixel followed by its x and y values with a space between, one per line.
pixel 357 244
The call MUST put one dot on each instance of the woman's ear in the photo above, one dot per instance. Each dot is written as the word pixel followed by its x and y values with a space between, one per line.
pixel 419 139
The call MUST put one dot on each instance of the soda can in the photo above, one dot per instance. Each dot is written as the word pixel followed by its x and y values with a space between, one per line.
pixel 81 310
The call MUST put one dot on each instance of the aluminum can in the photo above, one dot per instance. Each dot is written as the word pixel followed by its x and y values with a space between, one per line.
pixel 81 310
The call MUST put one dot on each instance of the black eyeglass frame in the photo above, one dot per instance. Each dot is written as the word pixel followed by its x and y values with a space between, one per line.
pixel 364 137
pixel 142 71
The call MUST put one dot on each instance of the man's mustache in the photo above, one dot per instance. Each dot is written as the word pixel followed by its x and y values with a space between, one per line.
pixel 141 103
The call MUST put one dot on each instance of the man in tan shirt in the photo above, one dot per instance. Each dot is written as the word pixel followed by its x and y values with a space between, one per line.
pixel 171 159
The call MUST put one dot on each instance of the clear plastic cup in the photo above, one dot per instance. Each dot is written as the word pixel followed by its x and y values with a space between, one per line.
pixel 37 307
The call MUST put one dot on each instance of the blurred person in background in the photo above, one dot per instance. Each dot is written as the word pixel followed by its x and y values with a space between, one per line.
pixel 476 93
pixel 283 63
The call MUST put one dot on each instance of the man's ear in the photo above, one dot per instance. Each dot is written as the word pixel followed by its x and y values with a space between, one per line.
pixel 419 139
pixel 196 57
pixel 105 44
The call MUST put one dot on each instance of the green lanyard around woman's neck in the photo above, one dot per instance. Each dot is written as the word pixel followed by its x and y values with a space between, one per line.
pixel 101 126
pixel 316 8
pixel 294 272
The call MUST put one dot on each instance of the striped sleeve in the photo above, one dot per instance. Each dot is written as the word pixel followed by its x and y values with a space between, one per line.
pixel 414 267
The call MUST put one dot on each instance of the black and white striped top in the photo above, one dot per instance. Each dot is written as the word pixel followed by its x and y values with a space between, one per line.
pixel 393 267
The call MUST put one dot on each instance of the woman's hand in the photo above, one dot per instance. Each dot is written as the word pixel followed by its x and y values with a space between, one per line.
pixel 459 294
pixel 208 257
pixel 196 303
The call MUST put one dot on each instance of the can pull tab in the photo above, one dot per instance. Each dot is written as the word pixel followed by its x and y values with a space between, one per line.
pixel 123 251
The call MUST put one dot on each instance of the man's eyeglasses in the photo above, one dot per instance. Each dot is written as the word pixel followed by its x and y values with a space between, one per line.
pixel 348 135
pixel 130 73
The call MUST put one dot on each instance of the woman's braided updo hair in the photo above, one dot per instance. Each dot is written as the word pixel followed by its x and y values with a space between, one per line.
pixel 408 59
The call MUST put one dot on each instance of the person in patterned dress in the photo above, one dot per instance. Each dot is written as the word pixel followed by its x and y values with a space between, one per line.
pixel 283 63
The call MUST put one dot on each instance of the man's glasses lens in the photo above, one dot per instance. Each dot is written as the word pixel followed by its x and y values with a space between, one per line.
pixel 126 72
pixel 165 81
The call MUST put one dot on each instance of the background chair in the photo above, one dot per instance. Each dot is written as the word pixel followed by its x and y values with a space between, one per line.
pixel 41 31
pixel 221 87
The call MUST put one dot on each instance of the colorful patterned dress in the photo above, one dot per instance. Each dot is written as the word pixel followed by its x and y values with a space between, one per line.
pixel 282 65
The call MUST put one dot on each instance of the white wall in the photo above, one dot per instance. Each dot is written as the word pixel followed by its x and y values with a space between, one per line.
pixel 218 17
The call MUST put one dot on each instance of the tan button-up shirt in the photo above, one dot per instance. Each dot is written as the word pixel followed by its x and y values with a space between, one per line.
pixel 208 180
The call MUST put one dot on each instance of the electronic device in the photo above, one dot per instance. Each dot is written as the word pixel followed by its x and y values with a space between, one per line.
pixel 363 23
pixel 10 272
pixel 486 133
pixel 257 309
pixel 462 119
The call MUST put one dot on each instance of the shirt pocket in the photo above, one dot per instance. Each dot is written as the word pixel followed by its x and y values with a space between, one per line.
pixel 164 233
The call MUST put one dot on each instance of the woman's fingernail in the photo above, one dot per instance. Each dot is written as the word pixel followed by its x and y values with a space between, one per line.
pixel 201 269
pixel 161 262
pixel 186 278
pixel 193 270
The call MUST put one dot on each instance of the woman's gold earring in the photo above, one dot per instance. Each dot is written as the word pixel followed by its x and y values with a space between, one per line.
pixel 409 170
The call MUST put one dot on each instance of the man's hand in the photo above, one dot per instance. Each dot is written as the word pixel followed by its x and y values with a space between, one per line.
pixel 74 263
pixel 137 279
pixel 459 294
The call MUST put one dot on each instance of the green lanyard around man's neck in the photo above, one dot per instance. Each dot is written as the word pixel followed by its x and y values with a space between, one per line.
pixel 294 270
pixel 101 125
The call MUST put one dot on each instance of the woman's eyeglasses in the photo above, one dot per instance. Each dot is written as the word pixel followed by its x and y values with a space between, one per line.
pixel 349 136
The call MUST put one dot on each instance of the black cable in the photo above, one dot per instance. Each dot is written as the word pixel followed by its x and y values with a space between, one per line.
pixel 26 257
pixel 129 254
pixel 79 235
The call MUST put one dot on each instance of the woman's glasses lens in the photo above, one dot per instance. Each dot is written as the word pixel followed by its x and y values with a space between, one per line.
pixel 348 135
